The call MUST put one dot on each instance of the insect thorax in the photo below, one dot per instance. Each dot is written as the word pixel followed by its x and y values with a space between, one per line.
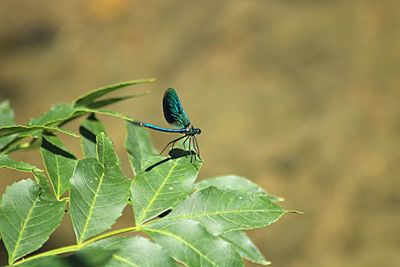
pixel 190 130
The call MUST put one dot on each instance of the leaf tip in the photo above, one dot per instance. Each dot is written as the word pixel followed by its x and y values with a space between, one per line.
pixel 295 211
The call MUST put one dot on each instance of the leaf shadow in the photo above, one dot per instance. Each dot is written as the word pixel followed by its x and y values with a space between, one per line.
pixel 55 149
pixel 86 133
pixel 174 153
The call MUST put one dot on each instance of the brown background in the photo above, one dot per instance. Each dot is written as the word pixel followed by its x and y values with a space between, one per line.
pixel 300 96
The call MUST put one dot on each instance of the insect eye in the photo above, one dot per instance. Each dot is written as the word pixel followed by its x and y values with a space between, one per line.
pixel 198 131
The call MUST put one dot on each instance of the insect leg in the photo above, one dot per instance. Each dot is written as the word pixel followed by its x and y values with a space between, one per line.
pixel 172 142
pixel 194 155
pixel 176 140
pixel 190 148
pixel 197 147
pixel 184 142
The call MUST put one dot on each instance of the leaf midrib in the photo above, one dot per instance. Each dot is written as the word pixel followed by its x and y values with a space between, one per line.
pixel 184 242
pixel 23 230
pixel 123 260
pixel 222 213
pixel 156 193
pixel 91 208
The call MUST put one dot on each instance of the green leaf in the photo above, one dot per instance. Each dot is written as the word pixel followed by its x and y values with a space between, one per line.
pixel 32 130
pixel 98 192
pixel 135 251
pixel 6 119
pixel 61 113
pixel 44 185
pixel 89 129
pixel 22 211
pixel 104 112
pixel 222 211
pixel 106 154
pixel 56 115
pixel 188 242
pixel 9 163
pixel 96 200
pixel 235 182
pixel 97 93
pixel 139 146
pixel 161 188
pixel 110 101
pixel 59 163
pixel 245 247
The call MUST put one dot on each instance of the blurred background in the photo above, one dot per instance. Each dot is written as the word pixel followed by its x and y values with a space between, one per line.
pixel 302 97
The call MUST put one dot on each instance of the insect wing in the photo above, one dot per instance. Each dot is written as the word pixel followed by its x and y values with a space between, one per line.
pixel 173 110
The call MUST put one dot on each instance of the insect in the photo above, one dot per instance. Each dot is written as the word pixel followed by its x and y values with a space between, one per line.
pixel 176 116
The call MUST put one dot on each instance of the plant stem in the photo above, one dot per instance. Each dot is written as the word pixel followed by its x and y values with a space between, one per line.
pixel 108 234
pixel 77 247
pixel 53 252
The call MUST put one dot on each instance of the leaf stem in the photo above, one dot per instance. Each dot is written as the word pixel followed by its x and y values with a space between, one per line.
pixel 112 233
pixel 53 252
pixel 73 248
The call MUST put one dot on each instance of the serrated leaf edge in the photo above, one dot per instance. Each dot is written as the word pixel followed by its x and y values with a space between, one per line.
pixel 12 255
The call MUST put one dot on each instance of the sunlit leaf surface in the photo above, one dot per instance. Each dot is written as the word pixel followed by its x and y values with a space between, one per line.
pixel 99 192
pixel 237 183
pixel 188 242
pixel 22 213
pixel 162 187
pixel 222 211
pixel 135 251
